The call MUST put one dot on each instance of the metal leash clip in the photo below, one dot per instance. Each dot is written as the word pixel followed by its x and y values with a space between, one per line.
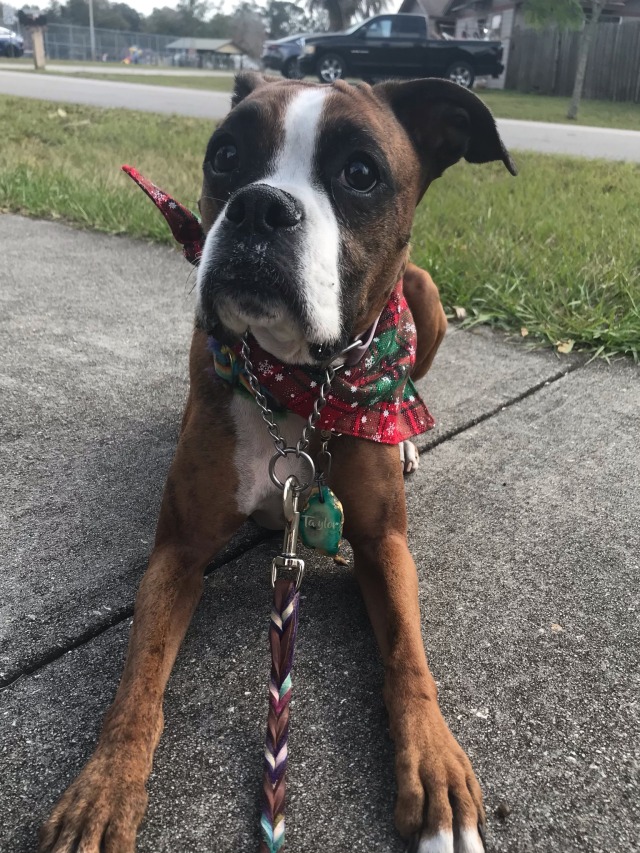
pixel 288 559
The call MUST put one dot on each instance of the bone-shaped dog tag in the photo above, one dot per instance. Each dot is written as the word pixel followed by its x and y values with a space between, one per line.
pixel 321 521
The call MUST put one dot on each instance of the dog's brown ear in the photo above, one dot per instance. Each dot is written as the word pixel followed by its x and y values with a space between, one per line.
pixel 245 83
pixel 445 122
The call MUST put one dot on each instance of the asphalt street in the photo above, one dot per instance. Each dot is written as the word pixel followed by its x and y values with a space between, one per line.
pixel 523 521
pixel 118 69
pixel 606 143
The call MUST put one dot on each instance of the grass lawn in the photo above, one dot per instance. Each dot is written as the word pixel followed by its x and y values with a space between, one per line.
pixel 625 115
pixel 215 84
pixel 554 251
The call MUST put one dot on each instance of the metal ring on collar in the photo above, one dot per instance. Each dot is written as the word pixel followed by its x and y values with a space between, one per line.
pixel 300 454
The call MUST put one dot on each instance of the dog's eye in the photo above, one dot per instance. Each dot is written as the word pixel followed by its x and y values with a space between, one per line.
pixel 360 173
pixel 226 158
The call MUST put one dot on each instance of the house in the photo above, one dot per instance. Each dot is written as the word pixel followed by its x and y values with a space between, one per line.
pixel 497 19
pixel 434 11
pixel 204 53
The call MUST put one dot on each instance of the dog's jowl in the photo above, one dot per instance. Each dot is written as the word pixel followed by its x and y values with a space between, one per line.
pixel 308 199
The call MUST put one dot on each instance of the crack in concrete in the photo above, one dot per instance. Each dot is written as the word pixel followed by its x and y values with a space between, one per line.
pixel 125 613
pixel 427 447
pixel 114 619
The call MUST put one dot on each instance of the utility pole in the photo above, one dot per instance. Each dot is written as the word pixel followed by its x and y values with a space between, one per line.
pixel 92 32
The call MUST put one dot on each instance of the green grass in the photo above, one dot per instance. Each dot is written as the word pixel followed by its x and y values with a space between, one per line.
pixel 63 162
pixel 28 60
pixel 216 84
pixel 624 115
pixel 554 251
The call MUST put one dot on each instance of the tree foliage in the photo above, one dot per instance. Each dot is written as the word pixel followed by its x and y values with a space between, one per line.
pixel 342 12
pixel 113 16
pixel 284 18
pixel 566 14
pixel 195 18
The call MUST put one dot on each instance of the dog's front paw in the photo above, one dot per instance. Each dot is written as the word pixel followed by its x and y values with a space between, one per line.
pixel 409 457
pixel 439 805
pixel 99 813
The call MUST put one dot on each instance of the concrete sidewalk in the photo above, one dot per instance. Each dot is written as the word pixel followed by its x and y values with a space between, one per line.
pixel 524 524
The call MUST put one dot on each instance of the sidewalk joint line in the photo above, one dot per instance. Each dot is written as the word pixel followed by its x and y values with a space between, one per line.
pixel 115 619
pixel 550 380
pixel 125 613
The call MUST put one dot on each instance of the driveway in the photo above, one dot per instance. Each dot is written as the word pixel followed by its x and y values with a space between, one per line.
pixel 606 143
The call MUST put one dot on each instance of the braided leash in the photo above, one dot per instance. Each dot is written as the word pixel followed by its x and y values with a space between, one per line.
pixel 282 637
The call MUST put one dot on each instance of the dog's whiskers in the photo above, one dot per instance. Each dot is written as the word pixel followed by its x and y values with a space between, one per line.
pixel 192 272
pixel 214 198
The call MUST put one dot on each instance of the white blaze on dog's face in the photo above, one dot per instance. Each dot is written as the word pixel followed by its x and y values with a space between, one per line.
pixel 308 197
pixel 319 243
pixel 286 283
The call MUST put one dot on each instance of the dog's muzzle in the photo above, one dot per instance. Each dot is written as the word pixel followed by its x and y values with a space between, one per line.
pixel 255 261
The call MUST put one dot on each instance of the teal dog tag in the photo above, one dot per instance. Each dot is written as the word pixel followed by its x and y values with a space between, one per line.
pixel 321 521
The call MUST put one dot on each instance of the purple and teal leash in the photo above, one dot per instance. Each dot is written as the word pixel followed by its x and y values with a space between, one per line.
pixel 282 637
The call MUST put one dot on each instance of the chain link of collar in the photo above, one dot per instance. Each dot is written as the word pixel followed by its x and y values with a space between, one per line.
pixel 272 427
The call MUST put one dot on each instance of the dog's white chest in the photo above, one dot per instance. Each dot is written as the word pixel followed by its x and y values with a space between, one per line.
pixel 257 496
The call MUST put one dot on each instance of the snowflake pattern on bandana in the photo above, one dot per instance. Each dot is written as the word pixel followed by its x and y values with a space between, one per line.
pixel 185 225
pixel 376 400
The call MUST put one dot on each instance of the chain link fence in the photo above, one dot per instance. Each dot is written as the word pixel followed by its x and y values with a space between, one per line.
pixel 68 41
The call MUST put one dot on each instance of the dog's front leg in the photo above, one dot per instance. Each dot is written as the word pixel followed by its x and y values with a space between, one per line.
pixel 439 800
pixel 101 811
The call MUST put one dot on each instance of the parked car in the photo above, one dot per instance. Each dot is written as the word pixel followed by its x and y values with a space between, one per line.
pixel 282 55
pixel 398 46
pixel 11 44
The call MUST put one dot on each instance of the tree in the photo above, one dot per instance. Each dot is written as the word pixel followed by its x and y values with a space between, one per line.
pixel 285 19
pixel 569 14
pixel 164 21
pixel 248 30
pixel 131 17
pixel 219 26
pixel 341 12
pixel 193 13
pixel 114 16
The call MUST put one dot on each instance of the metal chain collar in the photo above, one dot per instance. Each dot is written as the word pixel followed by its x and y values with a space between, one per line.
pixel 272 427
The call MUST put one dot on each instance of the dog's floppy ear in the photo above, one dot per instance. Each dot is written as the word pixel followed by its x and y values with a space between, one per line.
pixel 246 82
pixel 445 122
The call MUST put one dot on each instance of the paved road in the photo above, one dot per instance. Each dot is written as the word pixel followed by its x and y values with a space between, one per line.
pixel 120 70
pixel 546 138
pixel 523 520
pixel 110 93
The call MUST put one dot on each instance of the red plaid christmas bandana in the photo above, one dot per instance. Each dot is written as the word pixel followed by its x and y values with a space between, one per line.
pixel 185 225
pixel 373 399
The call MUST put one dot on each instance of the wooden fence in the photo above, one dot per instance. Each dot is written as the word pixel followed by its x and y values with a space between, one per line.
pixel 545 62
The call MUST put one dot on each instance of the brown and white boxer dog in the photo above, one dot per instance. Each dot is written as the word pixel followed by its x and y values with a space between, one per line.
pixel 308 199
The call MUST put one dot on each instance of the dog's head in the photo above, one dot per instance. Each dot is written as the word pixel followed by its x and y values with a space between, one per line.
pixel 308 199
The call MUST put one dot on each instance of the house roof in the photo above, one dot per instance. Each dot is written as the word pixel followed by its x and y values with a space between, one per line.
pixel 201 44
pixel 430 8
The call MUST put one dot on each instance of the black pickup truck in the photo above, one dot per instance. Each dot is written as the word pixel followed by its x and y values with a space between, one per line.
pixel 398 46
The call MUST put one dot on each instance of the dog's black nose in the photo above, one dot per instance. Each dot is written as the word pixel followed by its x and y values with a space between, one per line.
pixel 263 208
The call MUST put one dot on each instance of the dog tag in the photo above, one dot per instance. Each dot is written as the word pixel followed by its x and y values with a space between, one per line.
pixel 321 521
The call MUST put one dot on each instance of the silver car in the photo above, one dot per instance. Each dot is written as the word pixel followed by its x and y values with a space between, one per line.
pixel 11 44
